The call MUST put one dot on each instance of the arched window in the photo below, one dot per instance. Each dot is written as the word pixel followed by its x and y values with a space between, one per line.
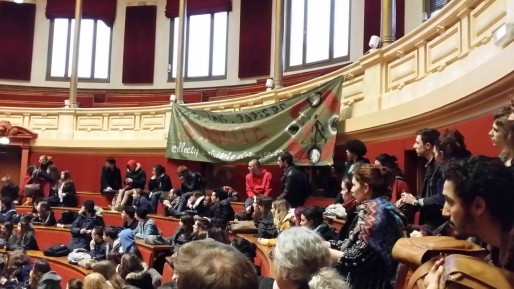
pixel 205 46
pixel 317 32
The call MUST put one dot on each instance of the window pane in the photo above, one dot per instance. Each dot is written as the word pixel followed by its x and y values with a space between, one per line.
pixel 175 47
pixel 341 27
pixel 199 42
pixel 220 43
pixel 102 50
pixel 60 40
pixel 296 32
pixel 87 28
pixel 318 30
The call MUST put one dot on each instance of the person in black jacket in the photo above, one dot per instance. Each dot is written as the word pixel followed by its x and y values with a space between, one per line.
pixel 89 217
pixel 110 180
pixel 97 245
pixel 159 182
pixel 44 216
pixel 191 181
pixel 135 272
pixel 26 238
pixel 295 183
pixel 7 209
pixel 221 212
pixel 9 189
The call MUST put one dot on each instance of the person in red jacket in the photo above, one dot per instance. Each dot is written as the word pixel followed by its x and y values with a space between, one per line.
pixel 258 182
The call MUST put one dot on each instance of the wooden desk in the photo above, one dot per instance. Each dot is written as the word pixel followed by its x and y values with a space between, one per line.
pixel 49 236
pixel 262 260
pixel 60 265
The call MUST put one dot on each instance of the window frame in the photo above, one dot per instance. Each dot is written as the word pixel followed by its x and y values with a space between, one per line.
pixel 49 77
pixel 186 51
pixel 287 32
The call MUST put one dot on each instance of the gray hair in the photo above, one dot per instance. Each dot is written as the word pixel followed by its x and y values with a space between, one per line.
pixel 302 256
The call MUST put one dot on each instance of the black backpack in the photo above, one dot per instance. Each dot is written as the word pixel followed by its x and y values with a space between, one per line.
pixel 59 250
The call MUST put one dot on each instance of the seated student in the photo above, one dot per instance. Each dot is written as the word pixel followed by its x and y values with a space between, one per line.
pixel 44 216
pixel 139 200
pixel 9 188
pixel 26 239
pixel 135 272
pixel 17 269
pixel 159 182
pixel 221 212
pixel 146 226
pixel 312 218
pixel 42 276
pixel 7 237
pixel 108 270
pixel 98 245
pixel 200 229
pixel 129 218
pixel 7 209
pixel 218 234
pixel 218 266
pixel 184 232
pixel 196 205
pixel 134 179
pixel 262 208
pixel 171 203
pixel 88 218
pixel 283 218
pixel 120 241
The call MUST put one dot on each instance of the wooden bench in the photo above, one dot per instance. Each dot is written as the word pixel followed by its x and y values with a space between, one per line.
pixel 262 259
pixel 60 265
pixel 49 236
pixel 99 199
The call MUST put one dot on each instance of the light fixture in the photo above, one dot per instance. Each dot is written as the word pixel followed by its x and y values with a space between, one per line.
pixel 374 42
pixel 504 35
pixel 4 140
pixel 269 84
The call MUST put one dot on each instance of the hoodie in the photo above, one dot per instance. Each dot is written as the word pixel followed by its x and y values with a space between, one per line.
pixel 49 280
pixel 127 242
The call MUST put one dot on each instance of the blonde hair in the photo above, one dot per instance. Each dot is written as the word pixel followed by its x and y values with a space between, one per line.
pixel 281 209
pixel 96 281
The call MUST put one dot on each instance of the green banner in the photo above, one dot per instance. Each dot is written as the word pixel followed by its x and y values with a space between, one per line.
pixel 305 125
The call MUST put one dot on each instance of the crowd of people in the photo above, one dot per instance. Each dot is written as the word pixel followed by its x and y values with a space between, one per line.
pixel 461 195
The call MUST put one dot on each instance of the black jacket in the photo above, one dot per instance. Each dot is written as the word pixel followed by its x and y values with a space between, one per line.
pixel 192 182
pixel 79 240
pixel 70 200
pixel 221 214
pixel 295 186
pixel 110 178
pixel 10 191
pixel 26 242
pixel 161 183
pixel 432 195
pixel 49 220
pixel 138 177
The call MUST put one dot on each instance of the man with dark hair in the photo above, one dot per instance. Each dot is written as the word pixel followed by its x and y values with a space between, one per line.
pixel 355 151
pixel 159 182
pixel 219 266
pixel 7 209
pixel 89 217
pixel 479 194
pixel 295 183
pixel 221 211
pixel 110 180
pixel 191 181
pixel 128 217
pixel 430 200
pixel 97 244
pixel 146 226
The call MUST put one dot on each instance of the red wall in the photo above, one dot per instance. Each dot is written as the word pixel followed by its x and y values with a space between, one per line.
pixel 85 168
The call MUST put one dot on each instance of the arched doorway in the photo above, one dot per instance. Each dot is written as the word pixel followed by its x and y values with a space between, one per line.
pixel 14 156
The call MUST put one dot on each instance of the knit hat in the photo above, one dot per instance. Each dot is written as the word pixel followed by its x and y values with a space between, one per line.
pixel 131 164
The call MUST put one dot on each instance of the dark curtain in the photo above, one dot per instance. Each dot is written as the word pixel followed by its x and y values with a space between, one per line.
pixel 255 38
pixel 104 10
pixel 139 46
pixel 16 40
pixel 195 7
pixel 372 19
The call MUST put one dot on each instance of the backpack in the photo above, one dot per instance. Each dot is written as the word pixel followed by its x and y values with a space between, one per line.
pixel 78 255
pixel 59 250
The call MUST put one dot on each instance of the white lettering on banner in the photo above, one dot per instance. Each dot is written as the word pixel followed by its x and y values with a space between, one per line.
pixel 181 148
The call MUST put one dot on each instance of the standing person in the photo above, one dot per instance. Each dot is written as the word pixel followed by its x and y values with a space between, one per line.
pixel 66 192
pixel 355 151
pixel 258 182
pixel 110 180
pixel 159 182
pixel 46 175
pixel 431 200
pixel 9 188
pixel 32 181
pixel 295 183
